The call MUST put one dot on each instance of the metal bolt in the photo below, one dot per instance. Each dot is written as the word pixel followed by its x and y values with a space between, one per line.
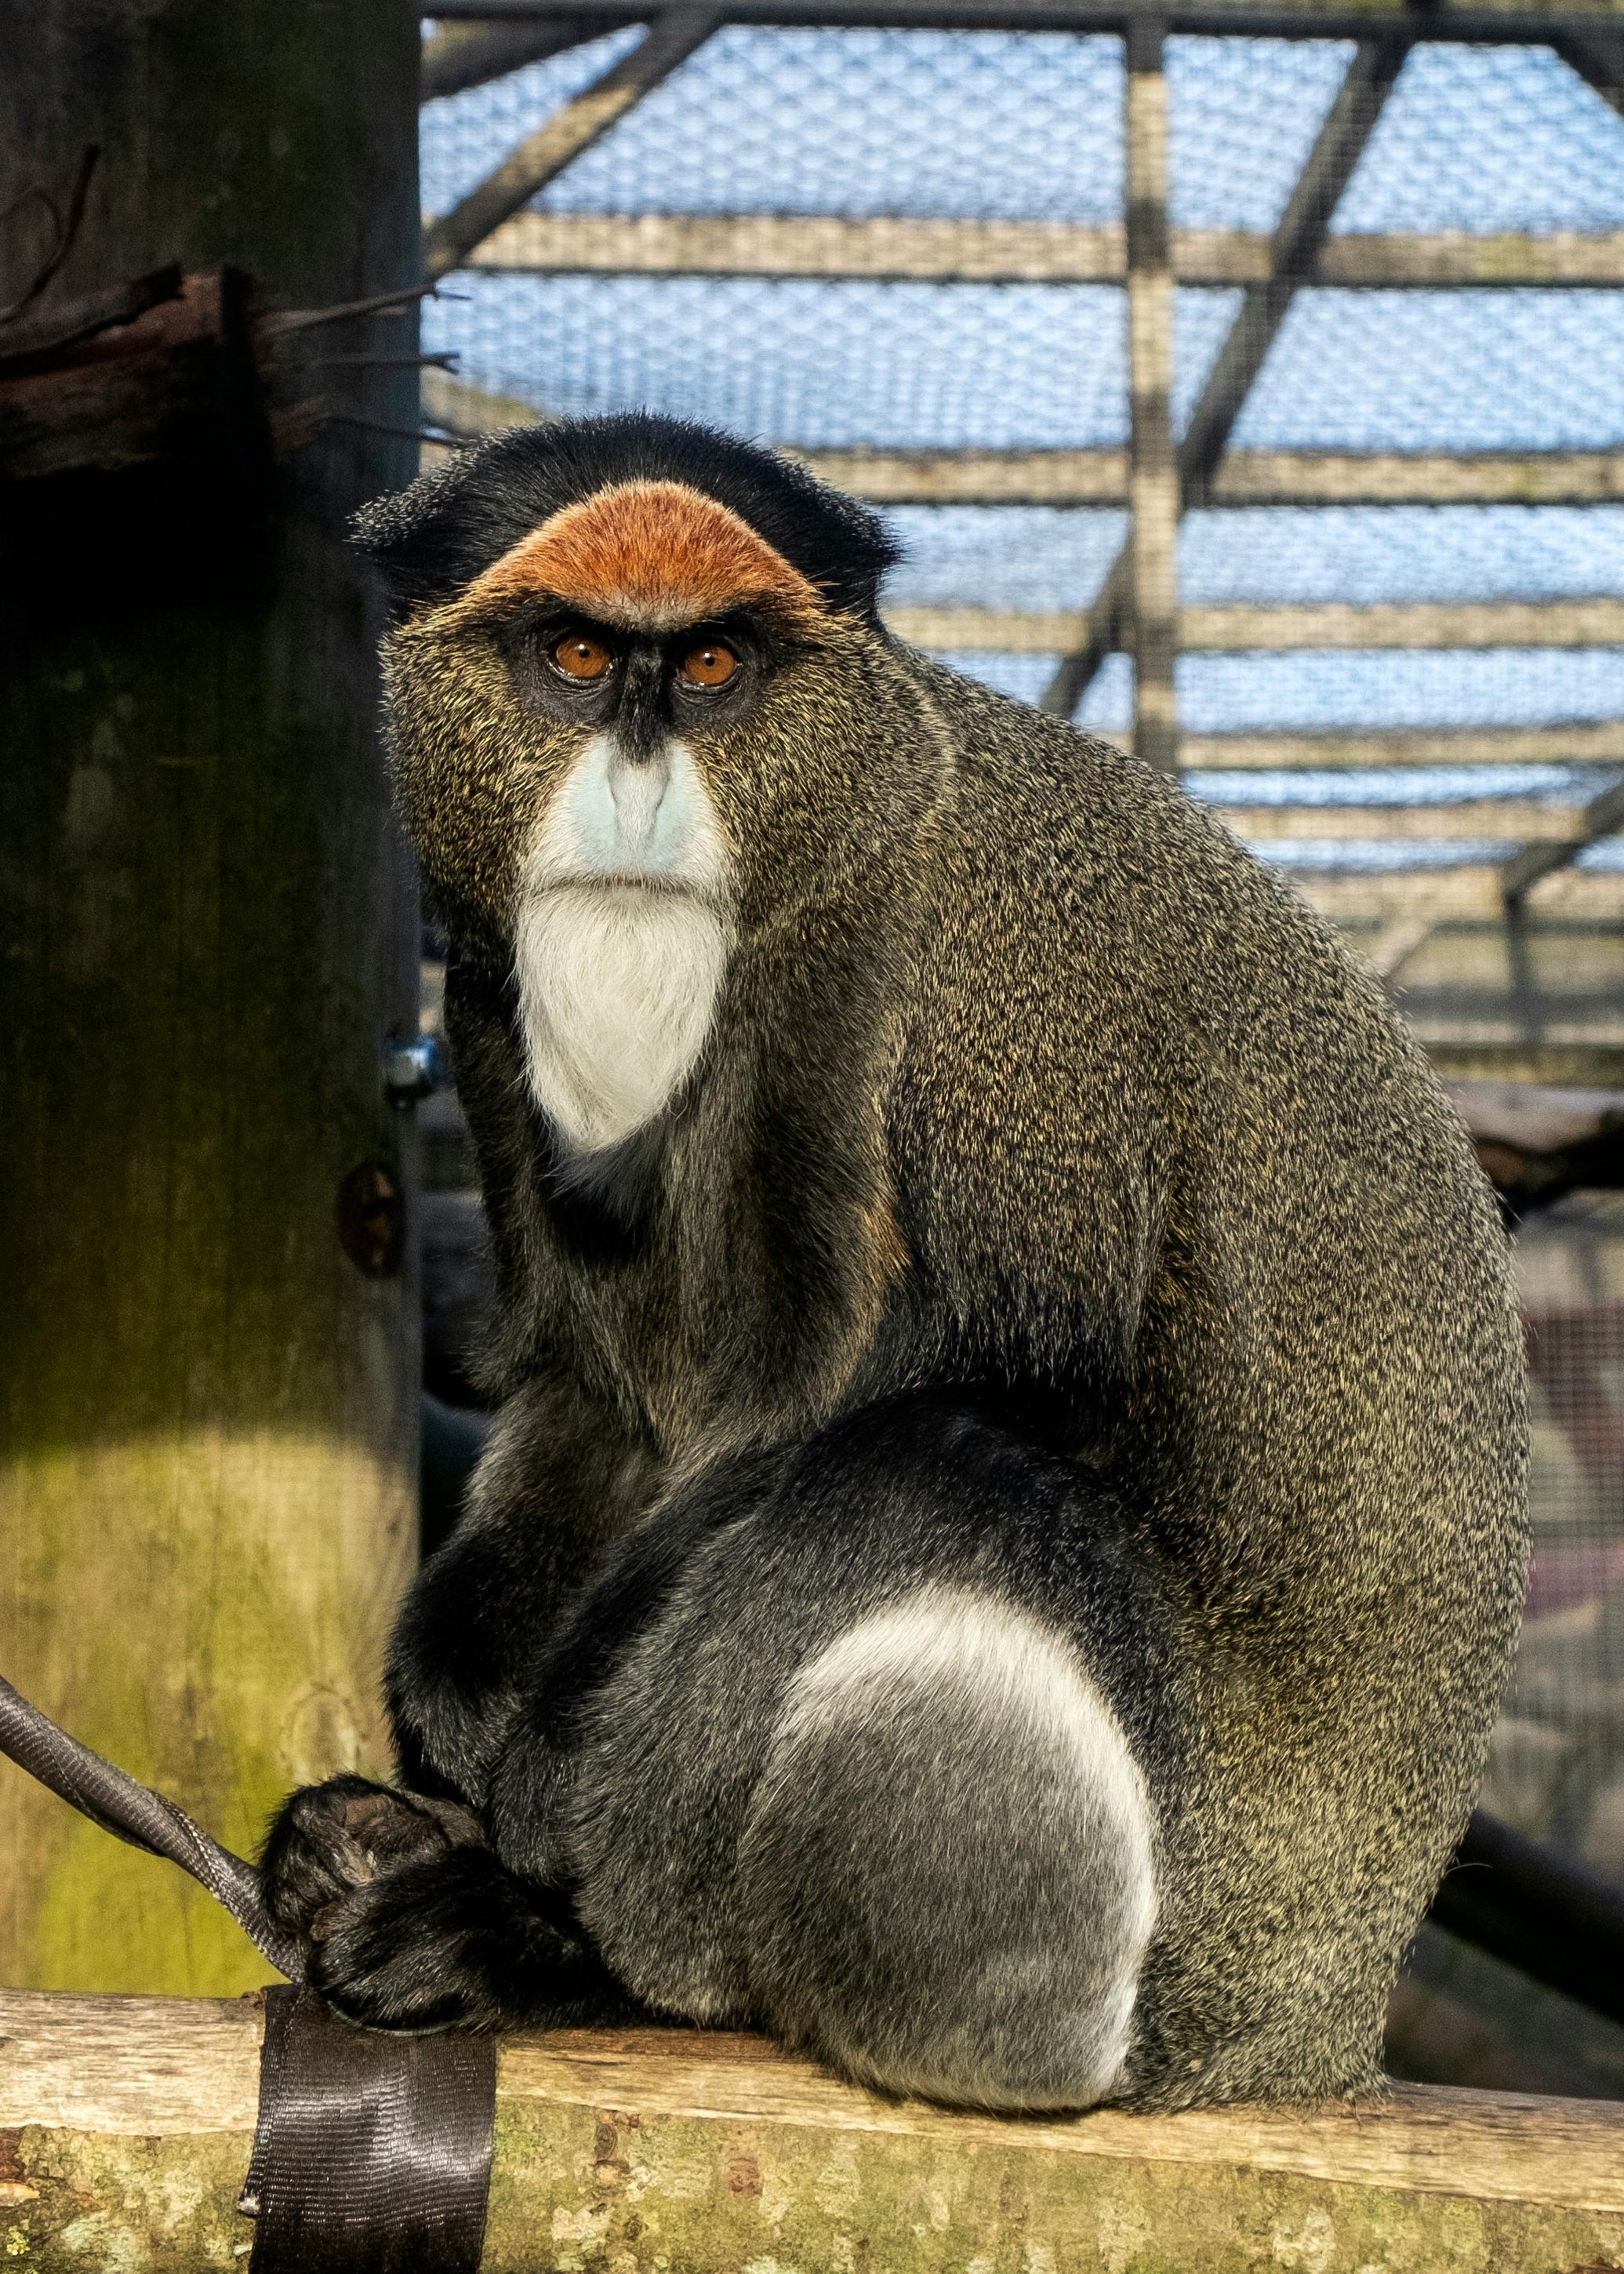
pixel 414 1070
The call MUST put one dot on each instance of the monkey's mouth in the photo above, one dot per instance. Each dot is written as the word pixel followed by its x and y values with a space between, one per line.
pixel 634 880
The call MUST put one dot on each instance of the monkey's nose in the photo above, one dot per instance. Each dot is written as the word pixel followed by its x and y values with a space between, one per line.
pixel 638 786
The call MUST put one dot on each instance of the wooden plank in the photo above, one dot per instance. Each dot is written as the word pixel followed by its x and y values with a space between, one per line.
pixel 1392 478
pixel 1246 629
pixel 1470 893
pixel 1553 1065
pixel 1397 940
pixel 463 409
pixel 1562 257
pixel 1483 820
pixel 1574 1063
pixel 903 248
pixel 672 37
pixel 1153 465
pixel 1297 238
pixel 1597 742
pixel 1245 478
pixel 1409 625
pixel 1100 478
pixel 646 2150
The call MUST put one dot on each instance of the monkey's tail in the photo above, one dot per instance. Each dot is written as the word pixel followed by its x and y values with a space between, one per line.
pixel 145 1819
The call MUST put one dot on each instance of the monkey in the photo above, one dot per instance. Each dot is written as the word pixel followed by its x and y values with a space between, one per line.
pixel 1003 1528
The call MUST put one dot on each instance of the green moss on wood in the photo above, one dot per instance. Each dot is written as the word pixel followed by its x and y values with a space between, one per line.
pixel 605 2193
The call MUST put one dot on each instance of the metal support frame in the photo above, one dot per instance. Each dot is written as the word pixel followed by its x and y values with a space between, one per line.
pixel 1138 602
pixel 1297 240
pixel 1598 55
pixel 1491 25
pixel 671 39
pixel 1597 819
pixel 468 55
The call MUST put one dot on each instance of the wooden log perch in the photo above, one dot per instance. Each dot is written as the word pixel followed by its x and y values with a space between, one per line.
pixel 125 2125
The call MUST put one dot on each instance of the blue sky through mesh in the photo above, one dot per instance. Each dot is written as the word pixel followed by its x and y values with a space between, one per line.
pixel 960 126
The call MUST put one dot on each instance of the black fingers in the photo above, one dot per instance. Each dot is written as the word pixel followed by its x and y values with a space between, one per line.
pixel 331 1838
pixel 456 1941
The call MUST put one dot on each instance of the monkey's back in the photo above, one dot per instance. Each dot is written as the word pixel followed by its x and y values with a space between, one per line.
pixel 1159 1138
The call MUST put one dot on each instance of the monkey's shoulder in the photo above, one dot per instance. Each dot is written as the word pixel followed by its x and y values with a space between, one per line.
pixel 1109 980
pixel 1066 875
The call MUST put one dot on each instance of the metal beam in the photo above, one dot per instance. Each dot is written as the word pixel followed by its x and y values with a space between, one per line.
pixel 672 37
pixel 1598 56
pixel 1599 818
pixel 1482 22
pixel 460 56
pixel 1397 940
pixel 1245 629
pixel 1297 241
pixel 904 248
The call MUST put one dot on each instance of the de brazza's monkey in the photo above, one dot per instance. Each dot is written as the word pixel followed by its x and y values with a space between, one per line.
pixel 998 1555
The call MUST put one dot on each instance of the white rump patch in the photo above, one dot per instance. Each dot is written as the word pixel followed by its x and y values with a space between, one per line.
pixel 623 940
pixel 1016 1674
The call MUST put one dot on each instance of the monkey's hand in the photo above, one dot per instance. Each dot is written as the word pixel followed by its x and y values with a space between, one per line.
pixel 456 1941
pixel 333 1838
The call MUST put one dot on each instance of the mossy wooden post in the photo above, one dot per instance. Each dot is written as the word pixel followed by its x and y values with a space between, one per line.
pixel 208 1413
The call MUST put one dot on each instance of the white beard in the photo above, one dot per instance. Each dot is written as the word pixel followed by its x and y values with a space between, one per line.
pixel 618 977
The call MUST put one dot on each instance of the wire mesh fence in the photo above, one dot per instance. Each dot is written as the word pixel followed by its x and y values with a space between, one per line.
pixel 1557 1766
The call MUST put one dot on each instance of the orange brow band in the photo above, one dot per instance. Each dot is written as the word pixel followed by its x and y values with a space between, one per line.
pixel 650 555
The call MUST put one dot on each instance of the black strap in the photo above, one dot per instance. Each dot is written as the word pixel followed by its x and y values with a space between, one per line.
pixel 132 1812
pixel 372 2154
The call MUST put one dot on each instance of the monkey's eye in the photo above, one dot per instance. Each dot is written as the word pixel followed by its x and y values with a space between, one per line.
pixel 711 664
pixel 579 656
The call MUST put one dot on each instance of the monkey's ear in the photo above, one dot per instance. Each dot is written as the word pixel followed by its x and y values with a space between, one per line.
pixel 415 538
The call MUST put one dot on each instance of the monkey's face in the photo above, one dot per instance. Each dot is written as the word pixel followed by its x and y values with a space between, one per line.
pixel 643 695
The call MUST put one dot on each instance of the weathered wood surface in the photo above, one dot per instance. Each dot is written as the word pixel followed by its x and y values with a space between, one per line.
pixel 209 1417
pixel 125 2126
pixel 898 248
pixel 1504 1052
pixel 1244 628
